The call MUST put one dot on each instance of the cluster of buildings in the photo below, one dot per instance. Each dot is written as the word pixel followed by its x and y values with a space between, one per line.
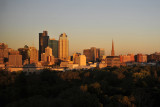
pixel 54 54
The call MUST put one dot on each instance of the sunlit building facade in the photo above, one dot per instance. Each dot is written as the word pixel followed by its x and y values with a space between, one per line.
pixel 52 43
pixel 127 58
pixel 47 58
pixel 63 47
pixel 141 58
pixel 33 55
pixel 15 60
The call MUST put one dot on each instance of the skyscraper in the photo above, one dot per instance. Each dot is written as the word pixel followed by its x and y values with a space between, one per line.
pixel 33 55
pixel 63 47
pixel 52 43
pixel 43 42
pixel 112 51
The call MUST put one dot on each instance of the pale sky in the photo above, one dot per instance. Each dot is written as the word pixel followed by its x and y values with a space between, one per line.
pixel 134 25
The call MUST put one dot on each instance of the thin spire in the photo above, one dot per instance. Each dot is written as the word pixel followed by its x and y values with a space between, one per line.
pixel 112 45
pixel 112 51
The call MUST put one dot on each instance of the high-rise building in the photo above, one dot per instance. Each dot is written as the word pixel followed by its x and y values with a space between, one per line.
pixel 33 55
pixel 63 47
pixel 93 54
pixel 100 54
pixel 52 43
pixel 112 51
pixel 87 53
pixel 43 42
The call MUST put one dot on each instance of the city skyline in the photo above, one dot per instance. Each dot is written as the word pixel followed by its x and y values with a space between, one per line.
pixel 133 25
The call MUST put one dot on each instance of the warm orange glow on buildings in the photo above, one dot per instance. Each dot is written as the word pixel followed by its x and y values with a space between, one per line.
pixel 127 58
pixel 141 58
pixel 63 47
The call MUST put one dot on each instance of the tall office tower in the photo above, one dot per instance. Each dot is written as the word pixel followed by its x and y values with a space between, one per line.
pixel 33 55
pixel 43 42
pixel 87 53
pixel 100 53
pixel 52 43
pixel 112 51
pixel 94 53
pixel 63 47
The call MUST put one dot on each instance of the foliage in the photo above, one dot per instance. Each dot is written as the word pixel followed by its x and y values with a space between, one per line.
pixel 109 87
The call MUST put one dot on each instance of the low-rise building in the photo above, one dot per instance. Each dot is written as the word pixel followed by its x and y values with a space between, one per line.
pixel 141 58
pixel 81 60
pixel 47 58
pixel 113 61
pixel 15 60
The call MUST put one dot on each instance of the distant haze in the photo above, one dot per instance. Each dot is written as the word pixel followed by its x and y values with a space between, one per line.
pixel 134 25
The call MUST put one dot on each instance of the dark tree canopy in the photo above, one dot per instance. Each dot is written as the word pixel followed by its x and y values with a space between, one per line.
pixel 109 87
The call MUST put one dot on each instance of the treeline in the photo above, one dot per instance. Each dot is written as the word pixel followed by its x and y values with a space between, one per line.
pixel 109 87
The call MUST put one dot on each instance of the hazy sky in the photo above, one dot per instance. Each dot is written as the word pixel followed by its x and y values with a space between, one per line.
pixel 134 25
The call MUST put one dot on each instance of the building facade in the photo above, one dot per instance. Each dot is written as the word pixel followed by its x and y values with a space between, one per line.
pixel 25 54
pixel 93 54
pixel 63 47
pixel 155 57
pixel 47 58
pixel 141 58
pixel 113 61
pixel 75 55
pixel 43 42
pixel 127 58
pixel 52 43
pixel 33 55
pixel 100 54
pixel 81 60
pixel 3 52
pixel 15 60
